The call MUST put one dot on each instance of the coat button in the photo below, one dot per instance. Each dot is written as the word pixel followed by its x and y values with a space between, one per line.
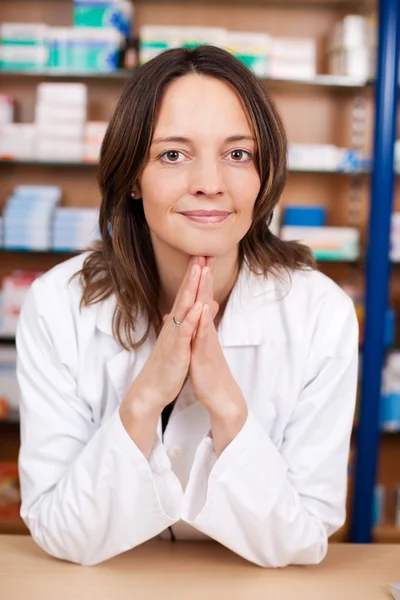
pixel 175 451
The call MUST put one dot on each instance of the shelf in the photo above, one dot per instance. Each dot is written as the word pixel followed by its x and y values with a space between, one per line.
pixel 386 534
pixel 322 81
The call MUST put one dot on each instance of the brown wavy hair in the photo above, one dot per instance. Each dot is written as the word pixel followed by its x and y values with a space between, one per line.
pixel 123 262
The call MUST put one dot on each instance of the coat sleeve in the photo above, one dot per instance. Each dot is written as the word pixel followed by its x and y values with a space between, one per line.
pixel 276 506
pixel 88 493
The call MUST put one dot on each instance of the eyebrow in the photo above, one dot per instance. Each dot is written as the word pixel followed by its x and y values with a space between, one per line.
pixel 185 140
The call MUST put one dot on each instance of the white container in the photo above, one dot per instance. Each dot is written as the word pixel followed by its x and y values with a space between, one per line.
pixel 17 141
pixel 62 130
pixel 73 113
pixel 52 149
pixel 60 94
pixel 327 243
pixel 294 49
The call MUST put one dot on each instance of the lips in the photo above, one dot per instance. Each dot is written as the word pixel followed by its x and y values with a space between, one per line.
pixel 206 216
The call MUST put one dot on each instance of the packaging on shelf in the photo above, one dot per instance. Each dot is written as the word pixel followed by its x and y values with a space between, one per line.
pixel 155 39
pixel 62 94
pixel 14 289
pixel 84 49
pixel 27 217
pixel 390 396
pixel 23 45
pixel 275 224
pixel 117 14
pixel 253 49
pixel 10 494
pixel 327 243
pixel 9 390
pixel 60 114
pixel 352 48
pixel 6 109
pixel 17 141
pixel 315 157
pixel 397 510
pixel 395 237
pixel 293 58
pixel 378 505
pixel 305 216
pixel 74 228
pixel 94 134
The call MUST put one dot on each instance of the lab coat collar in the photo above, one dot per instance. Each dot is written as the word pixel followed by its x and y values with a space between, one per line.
pixel 241 324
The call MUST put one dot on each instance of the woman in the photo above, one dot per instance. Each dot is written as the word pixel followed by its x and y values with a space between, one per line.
pixel 188 303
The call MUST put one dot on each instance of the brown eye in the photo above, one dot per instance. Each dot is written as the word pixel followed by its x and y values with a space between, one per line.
pixel 237 154
pixel 172 155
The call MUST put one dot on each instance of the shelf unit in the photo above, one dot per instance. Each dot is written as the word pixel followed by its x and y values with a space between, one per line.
pixel 330 101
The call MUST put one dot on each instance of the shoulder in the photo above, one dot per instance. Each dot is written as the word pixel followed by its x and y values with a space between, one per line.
pixel 61 282
pixel 55 296
pixel 302 306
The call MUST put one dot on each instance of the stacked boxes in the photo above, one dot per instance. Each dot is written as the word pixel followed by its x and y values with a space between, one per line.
pixel 116 14
pixel 60 115
pixel 352 48
pixel 307 225
pixel 23 46
pixel 84 49
pixel 155 39
pixel 27 217
pixel 13 292
pixel 94 134
pixel 17 141
pixel 252 49
pixel 74 228
pixel 326 157
pixel 293 58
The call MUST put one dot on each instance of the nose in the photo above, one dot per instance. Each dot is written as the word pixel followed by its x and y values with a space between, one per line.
pixel 206 178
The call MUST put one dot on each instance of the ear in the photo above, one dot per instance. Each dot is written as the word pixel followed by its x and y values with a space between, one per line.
pixel 136 192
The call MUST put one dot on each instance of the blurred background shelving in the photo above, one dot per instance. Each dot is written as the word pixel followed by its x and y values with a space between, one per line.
pixel 321 109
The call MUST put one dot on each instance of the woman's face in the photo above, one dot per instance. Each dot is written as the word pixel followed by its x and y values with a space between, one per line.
pixel 200 183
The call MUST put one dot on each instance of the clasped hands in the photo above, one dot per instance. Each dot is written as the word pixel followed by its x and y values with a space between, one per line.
pixel 193 347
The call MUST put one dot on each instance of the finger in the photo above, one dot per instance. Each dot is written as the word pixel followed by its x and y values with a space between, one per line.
pixel 187 296
pixel 165 317
pixel 204 321
pixel 202 261
pixel 205 291
pixel 186 329
pixel 210 262
pixel 215 309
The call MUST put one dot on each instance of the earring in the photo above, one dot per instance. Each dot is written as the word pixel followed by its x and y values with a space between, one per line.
pixel 133 194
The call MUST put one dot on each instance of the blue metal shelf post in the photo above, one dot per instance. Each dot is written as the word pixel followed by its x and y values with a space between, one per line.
pixel 378 268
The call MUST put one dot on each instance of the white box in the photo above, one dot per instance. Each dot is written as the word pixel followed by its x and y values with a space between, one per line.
pixel 59 150
pixel 327 243
pixel 69 131
pixel 45 113
pixel 60 94
pixel 294 49
pixel 17 141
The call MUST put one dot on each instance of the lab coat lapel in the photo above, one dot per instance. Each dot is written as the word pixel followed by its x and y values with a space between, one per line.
pixel 124 365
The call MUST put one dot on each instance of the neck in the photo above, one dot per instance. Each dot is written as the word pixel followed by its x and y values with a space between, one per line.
pixel 172 266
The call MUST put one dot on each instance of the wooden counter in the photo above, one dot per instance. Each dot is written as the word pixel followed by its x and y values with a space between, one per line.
pixel 195 571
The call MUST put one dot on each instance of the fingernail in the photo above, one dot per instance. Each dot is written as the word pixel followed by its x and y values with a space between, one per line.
pixel 196 307
pixel 195 260
pixel 193 273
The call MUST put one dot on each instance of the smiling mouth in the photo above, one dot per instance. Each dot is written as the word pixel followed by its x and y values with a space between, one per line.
pixel 206 216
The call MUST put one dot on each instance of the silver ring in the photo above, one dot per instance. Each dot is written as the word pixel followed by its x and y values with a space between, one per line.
pixel 177 323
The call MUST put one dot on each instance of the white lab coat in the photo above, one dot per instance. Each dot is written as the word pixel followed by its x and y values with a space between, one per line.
pixel 276 492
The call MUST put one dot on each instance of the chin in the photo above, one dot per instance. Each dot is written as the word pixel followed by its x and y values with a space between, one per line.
pixel 202 249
